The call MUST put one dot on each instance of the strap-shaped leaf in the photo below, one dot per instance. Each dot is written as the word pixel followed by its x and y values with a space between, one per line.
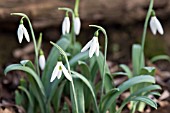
pixel 127 70
pixel 14 67
pixel 86 82
pixel 119 73
pixel 108 79
pixel 27 63
pixel 78 57
pixel 148 70
pixel 80 95
pixel 160 57
pixel 139 92
pixel 145 100
pixel 57 96
pixel 84 69
pixel 126 85
pixel 28 95
pixel 137 61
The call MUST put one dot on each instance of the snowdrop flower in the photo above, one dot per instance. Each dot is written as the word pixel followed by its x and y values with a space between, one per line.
pixel 77 25
pixel 66 25
pixel 93 45
pixel 22 31
pixel 57 72
pixel 42 61
pixel 155 26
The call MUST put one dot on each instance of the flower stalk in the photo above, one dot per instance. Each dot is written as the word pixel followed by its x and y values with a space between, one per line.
pixel 76 8
pixel 69 70
pixel 145 29
pixel 105 55
pixel 33 37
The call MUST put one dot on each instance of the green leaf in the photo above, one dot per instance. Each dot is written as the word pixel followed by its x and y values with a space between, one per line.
pixel 126 85
pixel 87 84
pixel 18 98
pixel 84 69
pixel 108 94
pixel 138 93
pixel 31 72
pixel 36 85
pixel 137 61
pixel 160 57
pixel 154 93
pixel 27 63
pixel 127 70
pixel 119 73
pixel 57 96
pixel 78 57
pixel 148 71
pixel 94 68
pixel 28 95
pixel 108 79
pixel 80 95
pixel 145 100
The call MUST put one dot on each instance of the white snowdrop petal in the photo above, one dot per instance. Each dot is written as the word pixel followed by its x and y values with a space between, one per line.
pixel 26 34
pixel 59 74
pixel 152 25
pixel 66 73
pixel 97 49
pixel 77 25
pixel 20 33
pixel 92 47
pixel 86 46
pixel 64 27
pixel 42 62
pixel 67 24
pixel 55 72
pixel 159 26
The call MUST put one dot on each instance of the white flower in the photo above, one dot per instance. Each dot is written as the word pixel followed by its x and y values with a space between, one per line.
pixel 66 25
pixel 93 45
pixel 22 31
pixel 57 72
pixel 155 26
pixel 42 62
pixel 77 25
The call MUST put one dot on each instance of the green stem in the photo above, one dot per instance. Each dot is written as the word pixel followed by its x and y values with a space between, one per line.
pixel 105 55
pixel 76 8
pixel 145 29
pixel 33 37
pixel 69 70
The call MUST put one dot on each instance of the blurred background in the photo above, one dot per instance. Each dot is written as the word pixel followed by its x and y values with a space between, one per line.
pixel 122 19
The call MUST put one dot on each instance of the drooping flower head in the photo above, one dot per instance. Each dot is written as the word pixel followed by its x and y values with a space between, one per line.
pixel 155 25
pixel 66 25
pixel 22 31
pixel 42 61
pixel 77 25
pixel 93 44
pixel 57 72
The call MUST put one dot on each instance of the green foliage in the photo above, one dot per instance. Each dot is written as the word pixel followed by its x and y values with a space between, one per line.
pixel 91 88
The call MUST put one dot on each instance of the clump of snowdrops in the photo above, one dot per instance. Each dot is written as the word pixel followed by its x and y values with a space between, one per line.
pixel 70 71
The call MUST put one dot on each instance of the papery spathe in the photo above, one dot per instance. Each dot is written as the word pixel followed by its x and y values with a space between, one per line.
pixel 93 45
pixel 22 31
